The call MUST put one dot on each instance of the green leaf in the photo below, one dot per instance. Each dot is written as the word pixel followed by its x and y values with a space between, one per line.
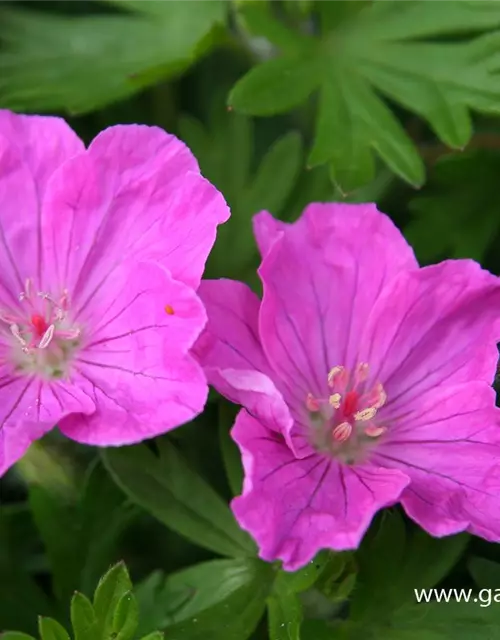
pixel 285 616
pixel 373 191
pixel 105 512
pixel 21 599
pixel 206 600
pixel 52 62
pixel 277 85
pixel 275 176
pixel 305 578
pixel 110 590
pixel 486 573
pixel 284 606
pixel 301 8
pixel 257 18
pixel 380 557
pixel 19 537
pixel 456 216
pixel 54 513
pixel 314 185
pixel 51 630
pixel 167 488
pixel 440 554
pixel 240 611
pixel 125 617
pixel 416 20
pixel 92 519
pixel 392 564
pixel 450 121
pixel 269 190
pixel 225 150
pixel 343 147
pixel 384 132
pixel 338 578
pixel 159 602
pixel 317 630
pixel 114 613
pixel 438 621
pixel 156 635
pixel 15 635
pixel 230 453
pixel 83 619
pixel 388 48
pixel 152 9
pixel 333 14
pixel 53 501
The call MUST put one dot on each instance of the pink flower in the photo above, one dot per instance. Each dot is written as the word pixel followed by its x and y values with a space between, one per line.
pixel 365 381
pixel 101 253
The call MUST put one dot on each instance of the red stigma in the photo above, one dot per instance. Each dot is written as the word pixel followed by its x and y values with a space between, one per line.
pixel 39 324
pixel 350 404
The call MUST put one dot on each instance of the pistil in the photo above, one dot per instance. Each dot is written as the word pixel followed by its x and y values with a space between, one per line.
pixel 345 422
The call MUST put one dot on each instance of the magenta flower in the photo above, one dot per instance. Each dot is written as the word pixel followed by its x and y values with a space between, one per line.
pixel 365 381
pixel 102 250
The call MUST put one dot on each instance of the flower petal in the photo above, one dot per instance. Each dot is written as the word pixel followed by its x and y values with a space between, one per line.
pixel 267 230
pixel 448 443
pixel 136 360
pixel 30 408
pixel 136 193
pixel 433 326
pixel 293 508
pixel 44 143
pixel 231 355
pixel 18 245
pixel 321 279
pixel 31 149
pixel 231 337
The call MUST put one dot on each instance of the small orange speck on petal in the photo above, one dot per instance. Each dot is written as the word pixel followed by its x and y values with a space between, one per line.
pixel 169 309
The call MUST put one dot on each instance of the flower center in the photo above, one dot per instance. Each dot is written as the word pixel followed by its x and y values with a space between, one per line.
pixel 41 333
pixel 345 424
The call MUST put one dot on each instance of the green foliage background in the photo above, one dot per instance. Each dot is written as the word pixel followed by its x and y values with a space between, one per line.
pixel 283 102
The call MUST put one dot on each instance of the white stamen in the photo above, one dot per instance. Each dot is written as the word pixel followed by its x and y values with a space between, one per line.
pixel 333 373
pixel 342 432
pixel 47 337
pixel 71 334
pixel 64 300
pixel 334 400
pixel 382 397
pixel 16 332
pixel 28 290
pixel 311 403
pixel 361 374
pixel 375 432
pixel 46 296
pixel 365 414
pixel 5 317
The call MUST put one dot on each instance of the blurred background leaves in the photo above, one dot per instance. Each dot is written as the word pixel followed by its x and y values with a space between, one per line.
pixel 78 64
